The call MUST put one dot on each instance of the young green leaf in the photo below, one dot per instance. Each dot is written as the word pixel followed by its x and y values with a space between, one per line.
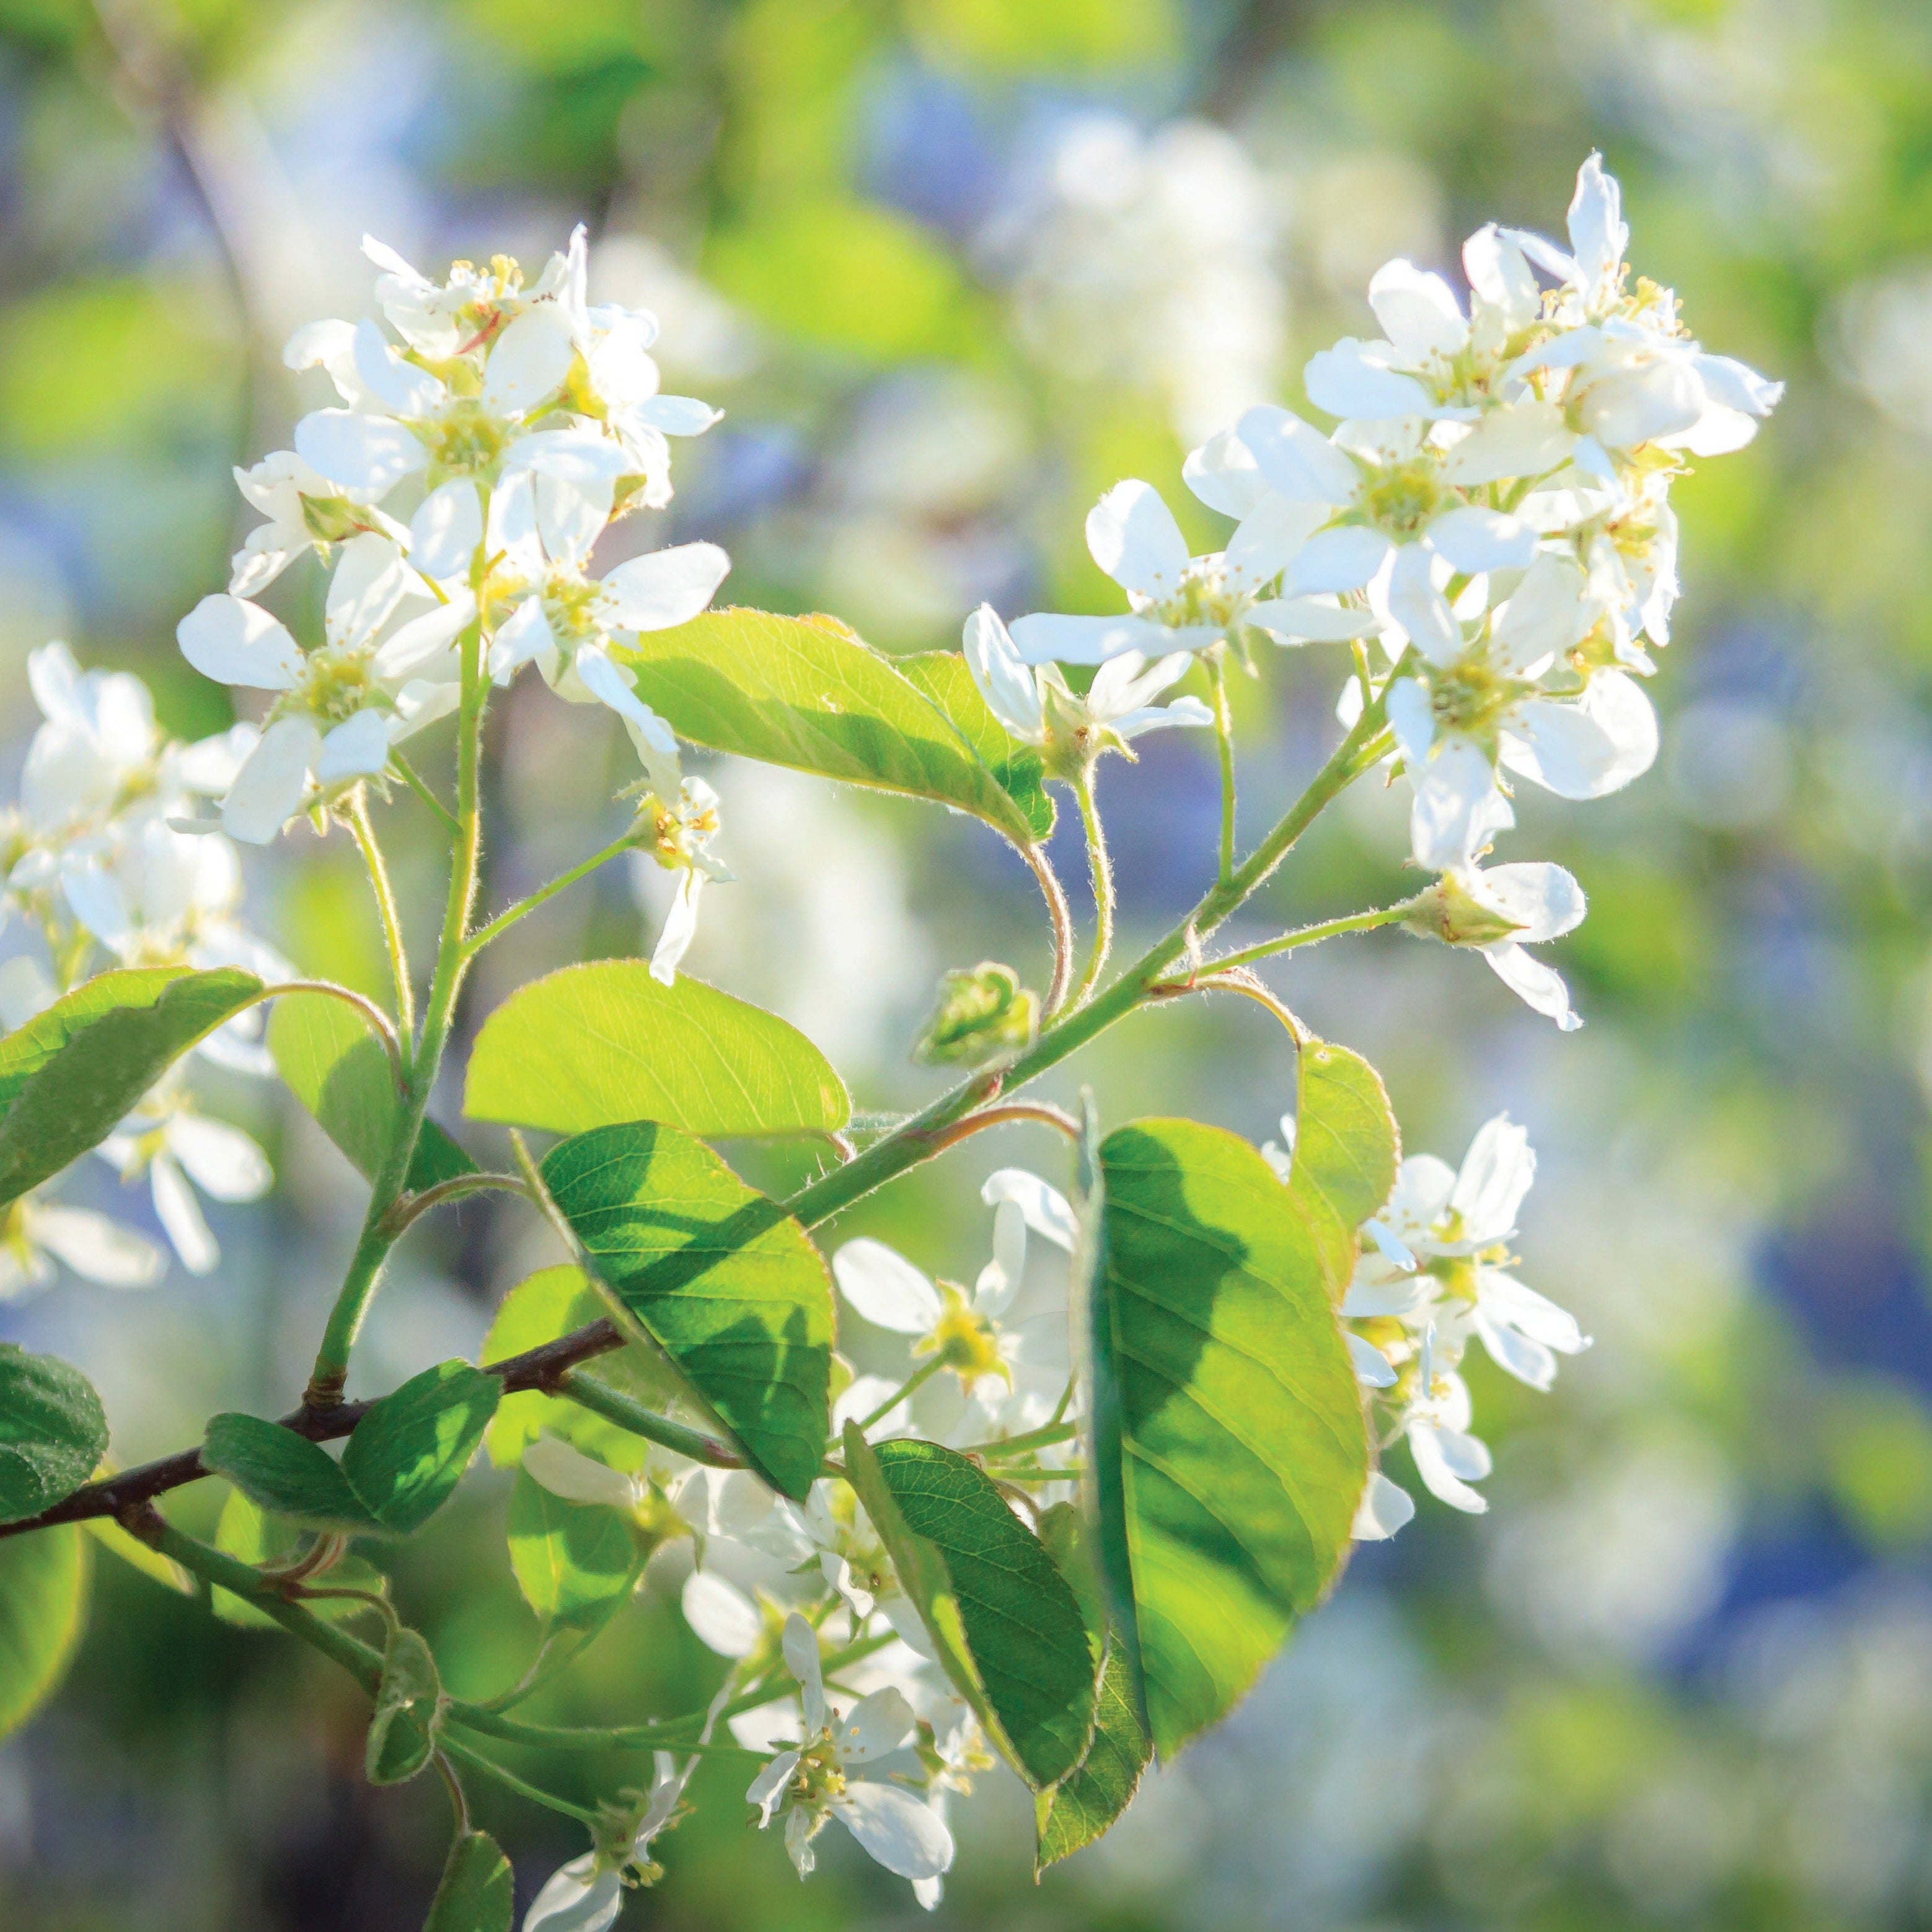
pixel 53 1432
pixel 257 1536
pixel 1228 1442
pixel 1083 1805
pixel 330 1056
pixel 1346 1147
pixel 284 1473
pixel 479 1891
pixel 70 1075
pixel 44 1580
pixel 409 1710
pixel 594 1046
pixel 552 1303
pixel 724 1280
pixel 807 693
pixel 406 1455
pixel 1004 1622
pixel 576 1564
pixel 944 679
pixel 136 1554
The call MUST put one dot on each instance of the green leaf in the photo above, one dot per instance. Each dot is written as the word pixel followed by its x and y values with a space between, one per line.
pixel 1229 1446
pixel 1346 1147
pixel 257 1537
pixel 70 1075
pixel 553 1303
pixel 329 1054
pixel 576 1564
pixel 807 693
pixel 409 1452
pixel 44 1580
pixel 1085 1803
pixel 409 1710
pixel 722 1280
pixel 944 679
pixel 479 1891
pixel 136 1554
pixel 284 1472
pixel 594 1046
pixel 53 1432
pixel 1004 1622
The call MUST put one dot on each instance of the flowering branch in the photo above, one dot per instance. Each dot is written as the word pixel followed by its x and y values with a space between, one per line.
pixel 505 919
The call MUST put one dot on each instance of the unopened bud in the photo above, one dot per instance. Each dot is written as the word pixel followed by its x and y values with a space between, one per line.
pixel 983 1011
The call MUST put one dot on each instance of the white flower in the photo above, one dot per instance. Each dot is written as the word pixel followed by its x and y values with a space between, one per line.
pixel 1179 603
pixel 1500 911
pixel 810 1783
pixel 586 1894
pixel 1447 1458
pixel 35 1233
pixel 681 842
pixel 386 668
pixel 172 1144
pixel 98 743
pixel 1037 707
pixel 305 512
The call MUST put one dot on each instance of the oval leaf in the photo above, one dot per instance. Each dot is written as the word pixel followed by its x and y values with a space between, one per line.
pixel 44 1579
pixel 594 1046
pixel 330 1056
pixel 479 1891
pixel 246 1530
pixel 409 1710
pixel 1346 1147
pixel 1005 1623
pixel 943 678
pixel 722 1280
pixel 53 1432
pixel 807 692
pixel 284 1473
pixel 406 1455
pixel 1228 1441
pixel 576 1564
pixel 70 1075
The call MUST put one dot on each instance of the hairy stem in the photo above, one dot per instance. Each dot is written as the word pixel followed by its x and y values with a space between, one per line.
pixel 1057 910
pixel 1100 870
pixel 357 817
pixel 917 1380
pixel 613 1405
pixel 1224 733
pixel 1308 935
pixel 412 1207
pixel 411 779
pixel 468 1754
pixel 509 916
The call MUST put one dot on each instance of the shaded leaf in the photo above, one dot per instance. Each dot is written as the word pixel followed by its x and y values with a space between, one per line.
pixel 53 1432
pixel 284 1473
pixel 723 1279
pixel 1229 1440
pixel 594 1046
pixel 70 1075
pixel 338 1068
pixel 43 1584
pixel 944 679
pixel 409 1710
pixel 479 1891
pixel 576 1564
pixel 245 1530
pixel 1004 1622
pixel 409 1452
pixel 136 1554
pixel 807 693
pixel 1346 1147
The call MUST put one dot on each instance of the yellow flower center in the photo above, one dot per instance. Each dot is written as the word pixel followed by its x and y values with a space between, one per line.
pixel 967 1343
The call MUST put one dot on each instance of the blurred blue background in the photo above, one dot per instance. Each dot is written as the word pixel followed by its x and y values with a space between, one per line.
pixel 953 267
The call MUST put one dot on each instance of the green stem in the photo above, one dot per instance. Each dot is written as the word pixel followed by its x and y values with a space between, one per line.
pixel 1025 1445
pixel 1309 935
pixel 918 1379
pixel 509 916
pixel 330 1374
pixel 467 1754
pixel 573 1737
pixel 357 815
pixel 587 1392
pixel 1100 870
pixel 411 779
pixel 412 1207
pixel 1224 732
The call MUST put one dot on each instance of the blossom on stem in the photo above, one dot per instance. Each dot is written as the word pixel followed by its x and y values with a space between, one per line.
pixel 586 1894
pixel 35 1233
pixel 172 1144
pixel 811 1782
pixel 680 841
pixel 1500 911
pixel 305 511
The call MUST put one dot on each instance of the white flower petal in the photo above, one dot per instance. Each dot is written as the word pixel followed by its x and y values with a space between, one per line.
pixel 679 415
pixel 578 1478
pixel 1373 1368
pixel 234 642
pixel 360 452
pixel 679 929
pixel 1474 539
pixel 180 1215
pixel 520 638
pixel 1416 604
pixel 1046 638
pixel 1458 808
pixel 1524 439
pixel 1048 1212
pixel 1598 234
pixel 1348 380
pixel 223 1161
pixel 1004 680
pixel 1500 278
pixel 1496 1174
pixel 1544 900
pixel 1343 559
pixel 665 587
pixel 1514 1304
pixel 1319 620
pixel 1384 1507
pixel 1529 1362
pixel 96 1248
pixel 528 362
pixel 878 1725
pixel 1223 474
pixel 1418 312
pixel 721 1617
pixel 401 387
pixel 1268 540
pixel 1134 539
pixel 1588 748
pixel 357 749
pixel 1296 460
pixel 445 530
pixel 577 1898
pixel 1540 988
pixel 769 1786
pixel 267 790
pixel 886 1288
pixel 903 1834
pixel 800 1645
pixel 1426 1443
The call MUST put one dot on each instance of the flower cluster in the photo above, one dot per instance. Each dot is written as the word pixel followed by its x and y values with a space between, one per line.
pixel 513 421
pixel 106 864
pixel 1491 510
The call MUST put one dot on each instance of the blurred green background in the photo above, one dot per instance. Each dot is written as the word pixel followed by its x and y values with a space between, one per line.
pixel 953 266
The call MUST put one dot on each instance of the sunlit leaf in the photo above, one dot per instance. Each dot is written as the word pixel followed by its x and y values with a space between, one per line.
pixel 283 1473
pixel 1346 1147
pixel 53 1432
pixel 407 1454
pixel 576 1564
pixel 943 678
pixel 595 1045
pixel 257 1536
pixel 43 1589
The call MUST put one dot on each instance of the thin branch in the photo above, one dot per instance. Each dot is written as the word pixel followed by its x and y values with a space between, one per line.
pixel 385 1027
pixel 510 915
pixel 1062 917
pixel 1100 869
pixel 355 814
pixel 1007 1114
pixel 1224 732
pixel 411 778
pixel 412 1206
pixel 1304 935
pixel 613 1405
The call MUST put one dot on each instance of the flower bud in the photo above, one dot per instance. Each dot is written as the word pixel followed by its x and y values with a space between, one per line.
pixel 1450 910
pixel 983 1011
